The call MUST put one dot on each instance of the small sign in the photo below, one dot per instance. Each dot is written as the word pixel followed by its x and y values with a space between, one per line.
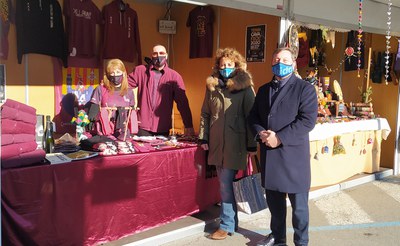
pixel 167 26
pixel 255 43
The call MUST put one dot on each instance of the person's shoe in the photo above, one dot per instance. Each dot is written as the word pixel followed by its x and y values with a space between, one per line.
pixel 219 234
pixel 268 241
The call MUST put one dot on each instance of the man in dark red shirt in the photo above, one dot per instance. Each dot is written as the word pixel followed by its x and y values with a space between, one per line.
pixel 158 87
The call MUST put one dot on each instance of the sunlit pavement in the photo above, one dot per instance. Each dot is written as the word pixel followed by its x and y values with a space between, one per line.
pixel 363 211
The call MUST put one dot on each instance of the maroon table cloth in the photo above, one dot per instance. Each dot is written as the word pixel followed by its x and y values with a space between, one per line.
pixel 104 198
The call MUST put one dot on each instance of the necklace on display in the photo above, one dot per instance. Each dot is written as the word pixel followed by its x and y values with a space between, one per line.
pixel 330 70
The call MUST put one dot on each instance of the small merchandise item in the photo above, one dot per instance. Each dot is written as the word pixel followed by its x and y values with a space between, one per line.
pixel 106 148
pixel 249 194
pixel 338 147
pixel 81 155
pixel 125 147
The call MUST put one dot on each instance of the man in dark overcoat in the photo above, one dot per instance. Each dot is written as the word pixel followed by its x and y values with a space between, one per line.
pixel 284 112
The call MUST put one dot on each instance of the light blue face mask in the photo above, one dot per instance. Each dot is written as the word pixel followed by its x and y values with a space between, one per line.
pixel 226 72
pixel 282 70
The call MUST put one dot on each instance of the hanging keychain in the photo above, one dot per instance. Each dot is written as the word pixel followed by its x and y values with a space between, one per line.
pixel 364 151
pixel 316 155
pixel 370 141
pixel 326 148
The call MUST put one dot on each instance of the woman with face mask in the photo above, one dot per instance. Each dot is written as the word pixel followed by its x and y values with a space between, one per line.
pixel 112 102
pixel 223 129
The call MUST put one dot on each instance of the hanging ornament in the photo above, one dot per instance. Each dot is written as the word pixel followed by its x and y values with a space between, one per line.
pixel 363 151
pixel 388 36
pixel 369 141
pixel 338 147
pixel 349 51
pixel 359 37
pixel 316 155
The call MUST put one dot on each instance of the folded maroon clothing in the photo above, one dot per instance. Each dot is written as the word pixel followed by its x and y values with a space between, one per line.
pixel 7 139
pixel 20 106
pixel 35 157
pixel 15 114
pixel 12 150
pixel 142 147
pixel 15 127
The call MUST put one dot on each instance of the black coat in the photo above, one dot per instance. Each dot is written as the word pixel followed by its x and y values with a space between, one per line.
pixel 292 116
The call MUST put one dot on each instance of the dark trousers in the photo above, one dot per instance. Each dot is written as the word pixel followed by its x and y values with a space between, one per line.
pixel 300 216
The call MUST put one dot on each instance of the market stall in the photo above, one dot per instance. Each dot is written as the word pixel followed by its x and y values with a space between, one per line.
pixel 341 150
pixel 105 198
pixel 102 199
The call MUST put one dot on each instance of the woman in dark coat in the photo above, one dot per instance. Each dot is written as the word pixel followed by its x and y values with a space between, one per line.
pixel 223 128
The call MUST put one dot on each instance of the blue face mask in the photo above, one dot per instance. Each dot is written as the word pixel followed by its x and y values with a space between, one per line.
pixel 226 72
pixel 282 70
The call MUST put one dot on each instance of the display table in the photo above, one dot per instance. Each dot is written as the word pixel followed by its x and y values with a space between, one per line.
pixel 103 198
pixel 361 142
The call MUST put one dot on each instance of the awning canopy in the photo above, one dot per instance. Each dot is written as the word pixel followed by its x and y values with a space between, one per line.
pixel 338 14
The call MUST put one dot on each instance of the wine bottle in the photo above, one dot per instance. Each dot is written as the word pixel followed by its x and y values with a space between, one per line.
pixel 48 136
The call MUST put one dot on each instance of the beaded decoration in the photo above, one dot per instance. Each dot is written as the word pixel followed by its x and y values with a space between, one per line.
pixel 388 36
pixel 359 37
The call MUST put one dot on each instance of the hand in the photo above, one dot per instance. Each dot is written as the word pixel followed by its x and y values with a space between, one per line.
pixel 204 146
pixel 263 135
pixel 272 140
pixel 189 131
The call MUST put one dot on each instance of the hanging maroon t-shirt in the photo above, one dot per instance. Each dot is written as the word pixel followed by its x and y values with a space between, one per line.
pixel 81 18
pixel 121 33
pixel 200 21
pixel 303 55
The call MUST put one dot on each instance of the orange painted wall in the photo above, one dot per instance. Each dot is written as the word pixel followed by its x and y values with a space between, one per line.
pixel 232 34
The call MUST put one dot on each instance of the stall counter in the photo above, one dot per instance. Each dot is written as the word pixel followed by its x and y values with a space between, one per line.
pixel 102 199
pixel 341 150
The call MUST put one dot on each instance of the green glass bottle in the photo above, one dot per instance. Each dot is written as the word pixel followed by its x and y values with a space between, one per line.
pixel 48 136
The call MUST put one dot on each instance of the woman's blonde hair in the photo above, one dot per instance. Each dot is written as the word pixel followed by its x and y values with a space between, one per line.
pixel 112 65
pixel 232 54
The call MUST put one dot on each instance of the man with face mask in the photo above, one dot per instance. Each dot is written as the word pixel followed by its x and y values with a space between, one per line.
pixel 158 87
pixel 284 112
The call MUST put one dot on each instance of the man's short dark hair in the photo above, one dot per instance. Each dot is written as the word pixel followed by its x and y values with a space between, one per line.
pixel 282 49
